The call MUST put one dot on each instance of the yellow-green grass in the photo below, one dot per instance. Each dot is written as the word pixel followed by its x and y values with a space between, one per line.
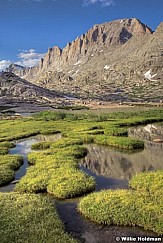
pixel 56 171
pixel 141 207
pixel 29 218
pixel 7 145
pixel 75 129
pixel 101 129
pixel 151 182
pixel 3 150
pixel 8 165
pixel 119 142
pixel 41 145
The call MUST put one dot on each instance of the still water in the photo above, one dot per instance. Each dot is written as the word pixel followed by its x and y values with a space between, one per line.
pixel 112 168
pixel 23 148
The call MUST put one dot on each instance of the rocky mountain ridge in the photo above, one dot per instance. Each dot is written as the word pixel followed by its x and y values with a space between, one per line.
pixel 14 88
pixel 118 60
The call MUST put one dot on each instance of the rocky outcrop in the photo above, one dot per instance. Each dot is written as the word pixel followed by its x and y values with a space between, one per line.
pixel 14 88
pixel 17 69
pixel 118 60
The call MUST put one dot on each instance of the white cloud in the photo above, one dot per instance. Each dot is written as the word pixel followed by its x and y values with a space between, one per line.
pixel 29 58
pixel 104 3
pixel 4 64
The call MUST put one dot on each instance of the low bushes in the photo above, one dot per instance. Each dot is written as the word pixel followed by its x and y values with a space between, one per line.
pixel 141 207
pixel 30 218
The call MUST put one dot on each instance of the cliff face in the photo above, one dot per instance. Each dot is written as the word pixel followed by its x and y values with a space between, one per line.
pixel 117 60
pixel 109 34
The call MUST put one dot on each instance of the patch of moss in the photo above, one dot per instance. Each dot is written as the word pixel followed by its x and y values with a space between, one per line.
pixel 30 218
pixel 142 207
pixel 56 171
pixel 8 165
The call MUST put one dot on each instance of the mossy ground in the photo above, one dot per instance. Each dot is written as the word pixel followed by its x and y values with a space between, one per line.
pixel 8 165
pixel 56 171
pixel 29 218
pixel 142 207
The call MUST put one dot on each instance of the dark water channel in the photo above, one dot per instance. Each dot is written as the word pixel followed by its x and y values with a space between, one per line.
pixel 112 169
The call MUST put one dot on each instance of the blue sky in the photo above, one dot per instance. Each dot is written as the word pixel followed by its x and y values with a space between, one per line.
pixel 30 27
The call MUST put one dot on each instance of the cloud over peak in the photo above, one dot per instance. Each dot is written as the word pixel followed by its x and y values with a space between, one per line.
pixel 104 3
pixel 4 64
pixel 28 58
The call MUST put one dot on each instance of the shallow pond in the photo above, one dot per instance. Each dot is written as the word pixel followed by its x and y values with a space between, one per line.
pixel 23 148
pixel 113 168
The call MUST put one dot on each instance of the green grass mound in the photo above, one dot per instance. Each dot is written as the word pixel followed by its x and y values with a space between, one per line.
pixel 72 183
pixel 8 165
pixel 41 145
pixel 128 207
pixel 3 150
pixel 108 207
pixel 119 142
pixel 7 145
pixel 116 131
pixel 151 182
pixel 56 171
pixel 65 142
pixel 6 175
pixel 30 218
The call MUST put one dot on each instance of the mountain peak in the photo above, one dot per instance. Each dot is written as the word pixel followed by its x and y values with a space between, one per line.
pixel 160 28
pixel 109 61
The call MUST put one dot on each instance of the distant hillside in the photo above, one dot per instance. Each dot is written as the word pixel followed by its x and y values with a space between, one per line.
pixel 118 60
pixel 14 88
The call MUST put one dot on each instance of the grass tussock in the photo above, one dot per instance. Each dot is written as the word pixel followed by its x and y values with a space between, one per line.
pixel 56 171
pixel 141 207
pixel 8 165
pixel 7 145
pixel 119 142
pixel 30 218
pixel 4 151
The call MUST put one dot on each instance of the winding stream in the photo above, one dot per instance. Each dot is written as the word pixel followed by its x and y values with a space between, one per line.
pixel 112 169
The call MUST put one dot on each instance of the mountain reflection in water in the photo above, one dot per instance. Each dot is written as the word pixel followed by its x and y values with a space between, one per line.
pixel 112 163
